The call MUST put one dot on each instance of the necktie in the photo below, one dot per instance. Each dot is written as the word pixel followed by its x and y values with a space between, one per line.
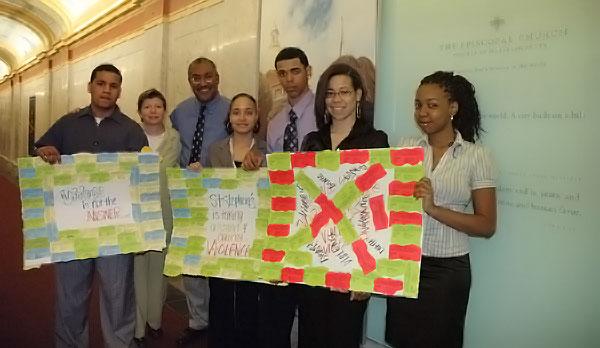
pixel 198 136
pixel 290 136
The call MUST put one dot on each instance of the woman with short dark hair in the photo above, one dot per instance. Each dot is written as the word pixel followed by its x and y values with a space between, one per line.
pixel 149 282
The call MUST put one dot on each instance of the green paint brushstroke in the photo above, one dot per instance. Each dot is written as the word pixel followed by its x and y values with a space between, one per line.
pixel 360 282
pixel 406 234
pixel 229 184
pixel 307 185
pixel 381 156
pixel 172 270
pixel 347 230
pixel 86 248
pixel 408 173
pixel 403 203
pixel 279 161
pixel 315 275
pixel 298 258
pixel 270 271
pixel 346 196
pixel 281 217
pixel 329 160
pixel 283 190
pixel 36 243
pixel 300 238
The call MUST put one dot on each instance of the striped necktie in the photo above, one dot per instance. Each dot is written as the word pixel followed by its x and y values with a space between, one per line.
pixel 290 136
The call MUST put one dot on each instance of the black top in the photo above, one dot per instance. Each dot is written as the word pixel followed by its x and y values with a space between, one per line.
pixel 362 136
pixel 78 132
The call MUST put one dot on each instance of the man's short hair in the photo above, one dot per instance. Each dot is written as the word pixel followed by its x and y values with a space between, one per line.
pixel 106 67
pixel 291 53
pixel 200 60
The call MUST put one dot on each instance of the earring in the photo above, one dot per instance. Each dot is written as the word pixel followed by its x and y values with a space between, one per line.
pixel 451 117
pixel 357 110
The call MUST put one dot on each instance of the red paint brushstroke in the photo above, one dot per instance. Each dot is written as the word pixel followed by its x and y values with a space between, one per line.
pixel 354 156
pixel 278 230
pixel 292 275
pixel 328 208
pixel 365 259
pixel 405 218
pixel 271 255
pixel 370 177
pixel 337 280
pixel 281 177
pixel 407 156
pixel 303 159
pixel 399 188
pixel 380 218
pixel 318 222
pixel 409 252
pixel 283 203
pixel 388 286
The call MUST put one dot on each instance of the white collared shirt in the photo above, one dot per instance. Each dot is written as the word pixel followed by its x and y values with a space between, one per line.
pixel 463 168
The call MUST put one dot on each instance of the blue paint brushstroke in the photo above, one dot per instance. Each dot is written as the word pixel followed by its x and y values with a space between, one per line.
pixel 107 157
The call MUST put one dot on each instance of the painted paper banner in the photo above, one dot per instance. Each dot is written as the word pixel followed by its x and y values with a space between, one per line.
pixel 345 220
pixel 90 205
pixel 219 220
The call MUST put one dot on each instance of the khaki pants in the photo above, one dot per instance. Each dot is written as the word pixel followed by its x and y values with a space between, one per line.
pixel 150 290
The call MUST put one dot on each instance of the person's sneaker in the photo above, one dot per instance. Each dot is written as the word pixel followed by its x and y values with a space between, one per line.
pixel 139 342
pixel 189 335
pixel 154 333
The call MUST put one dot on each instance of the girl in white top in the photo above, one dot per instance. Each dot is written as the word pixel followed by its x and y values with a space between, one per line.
pixel 459 174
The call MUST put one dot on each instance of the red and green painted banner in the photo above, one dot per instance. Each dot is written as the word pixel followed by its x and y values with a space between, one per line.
pixel 345 220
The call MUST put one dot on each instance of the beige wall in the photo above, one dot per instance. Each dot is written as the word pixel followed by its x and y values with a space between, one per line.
pixel 227 33
pixel 155 55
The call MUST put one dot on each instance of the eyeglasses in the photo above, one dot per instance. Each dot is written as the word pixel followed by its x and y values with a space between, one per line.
pixel 195 79
pixel 342 94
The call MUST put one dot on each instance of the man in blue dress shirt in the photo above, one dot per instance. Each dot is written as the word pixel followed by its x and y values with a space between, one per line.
pixel 200 120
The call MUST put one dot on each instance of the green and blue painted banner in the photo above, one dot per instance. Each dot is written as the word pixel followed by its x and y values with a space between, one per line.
pixel 90 205
pixel 220 217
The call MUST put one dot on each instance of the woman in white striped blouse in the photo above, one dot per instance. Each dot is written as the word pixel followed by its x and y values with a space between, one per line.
pixel 459 200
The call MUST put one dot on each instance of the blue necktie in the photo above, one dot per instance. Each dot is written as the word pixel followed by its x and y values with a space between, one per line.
pixel 198 136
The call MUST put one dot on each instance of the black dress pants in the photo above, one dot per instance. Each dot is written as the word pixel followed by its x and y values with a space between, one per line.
pixel 437 317
pixel 277 309
pixel 326 319
pixel 233 313
pixel 331 319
